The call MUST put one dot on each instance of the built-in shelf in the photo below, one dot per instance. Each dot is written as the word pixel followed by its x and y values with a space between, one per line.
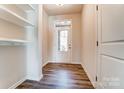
pixel 8 41
pixel 12 17
pixel 26 7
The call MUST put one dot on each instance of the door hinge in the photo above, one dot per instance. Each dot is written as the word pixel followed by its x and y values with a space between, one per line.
pixel 96 78
pixel 97 7
pixel 97 43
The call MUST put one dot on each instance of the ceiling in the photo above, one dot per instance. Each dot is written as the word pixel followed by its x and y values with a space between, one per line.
pixel 53 9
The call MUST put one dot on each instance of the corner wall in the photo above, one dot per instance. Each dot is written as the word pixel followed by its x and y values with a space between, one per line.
pixel 45 38
pixel 89 39
pixel 34 62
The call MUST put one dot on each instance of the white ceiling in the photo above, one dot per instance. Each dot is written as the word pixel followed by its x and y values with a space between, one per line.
pixel 53 9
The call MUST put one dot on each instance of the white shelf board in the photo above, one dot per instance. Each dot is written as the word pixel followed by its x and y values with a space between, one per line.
pixel 12 17
pixel 8 40
pixel 25 7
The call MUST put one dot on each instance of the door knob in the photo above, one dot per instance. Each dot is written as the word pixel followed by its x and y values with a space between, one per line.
pixel 69 47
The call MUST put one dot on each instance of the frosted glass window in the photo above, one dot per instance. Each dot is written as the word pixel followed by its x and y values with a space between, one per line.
pixel 63 40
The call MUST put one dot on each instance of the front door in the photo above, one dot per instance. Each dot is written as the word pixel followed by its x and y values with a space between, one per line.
pixel 64 43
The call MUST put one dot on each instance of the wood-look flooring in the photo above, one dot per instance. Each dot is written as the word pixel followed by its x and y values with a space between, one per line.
pixel 60 76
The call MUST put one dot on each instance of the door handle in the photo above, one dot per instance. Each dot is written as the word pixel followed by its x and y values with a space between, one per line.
pixel 69 46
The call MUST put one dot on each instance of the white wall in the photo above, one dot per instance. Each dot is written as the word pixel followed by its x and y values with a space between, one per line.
pixel 12 65
pixel 45 28
pixel 34 55
pixel 76 36
pixel 89 40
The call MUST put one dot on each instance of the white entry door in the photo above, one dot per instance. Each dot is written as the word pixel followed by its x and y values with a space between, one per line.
pixel 111 41
pixel 64 44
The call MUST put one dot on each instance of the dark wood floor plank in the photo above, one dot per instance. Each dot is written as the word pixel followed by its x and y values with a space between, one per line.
pixel 60 76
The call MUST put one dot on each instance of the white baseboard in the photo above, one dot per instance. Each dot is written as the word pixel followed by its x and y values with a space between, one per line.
pixel 73 62
pixel 41 76
pixel 56 62
pixel 22 80
pixel 36 78
pixel 89 76
pixel 17 83
pixel 45 64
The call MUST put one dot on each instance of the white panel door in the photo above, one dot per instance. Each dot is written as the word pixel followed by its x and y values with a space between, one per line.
pixel 111 52
pixel 64 45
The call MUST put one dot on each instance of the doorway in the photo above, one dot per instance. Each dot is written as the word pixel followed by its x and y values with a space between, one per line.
pixel 63 30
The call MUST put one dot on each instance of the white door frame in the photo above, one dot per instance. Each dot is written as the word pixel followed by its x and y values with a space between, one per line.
pixel 99 33
pixel 96 46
